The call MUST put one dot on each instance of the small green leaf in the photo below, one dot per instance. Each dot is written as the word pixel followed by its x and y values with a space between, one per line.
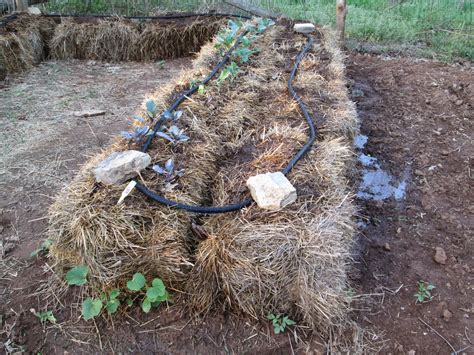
pixel 146 305
pixel 151 107
pixel 271 316
pixel 290 322
pixel 112 306
pixel 137 282
pixel 91 308
pixel 129 301
pixel 158 283
pixel 201 90
pixel 44 247
pixel 114 294
pixel 46 316
pixel 154 292
pixel 77 275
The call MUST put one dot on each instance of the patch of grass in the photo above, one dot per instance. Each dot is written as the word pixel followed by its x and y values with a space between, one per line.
pixel 439 28
pixel 124 7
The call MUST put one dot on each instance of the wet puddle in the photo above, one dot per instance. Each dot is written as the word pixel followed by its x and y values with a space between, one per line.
pixel 377 184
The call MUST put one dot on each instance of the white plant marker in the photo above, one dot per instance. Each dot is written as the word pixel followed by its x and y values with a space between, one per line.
pixel 126 192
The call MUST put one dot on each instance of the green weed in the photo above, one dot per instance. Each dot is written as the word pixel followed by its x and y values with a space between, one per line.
pixel 280 322
pixel 43 249
pixel 424 291
pixel 46 316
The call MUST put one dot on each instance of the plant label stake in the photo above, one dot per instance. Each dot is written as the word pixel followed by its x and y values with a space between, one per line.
pixel 127 191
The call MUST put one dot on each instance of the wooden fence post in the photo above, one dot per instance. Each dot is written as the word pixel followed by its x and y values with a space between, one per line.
pixel 341 12
pixel 21 5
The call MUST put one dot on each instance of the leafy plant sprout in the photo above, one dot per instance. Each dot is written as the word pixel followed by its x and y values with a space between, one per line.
pixel 172 116
pixel 139 127
pixel 225 38
pixel 154 294
pixel 92 307
pixel 280 322
pixel 43 249
pixel 424 291
pixel 168 171
pixel 45 316
pixel 174 135
pixel 230 71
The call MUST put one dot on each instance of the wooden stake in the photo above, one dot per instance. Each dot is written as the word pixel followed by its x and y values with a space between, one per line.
pixel 21 5
pixel 341 12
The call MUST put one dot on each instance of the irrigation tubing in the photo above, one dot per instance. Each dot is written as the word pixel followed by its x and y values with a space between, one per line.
pixel 247 202
pixel 165 17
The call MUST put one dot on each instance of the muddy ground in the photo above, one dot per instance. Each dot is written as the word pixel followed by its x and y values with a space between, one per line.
pixel 418 116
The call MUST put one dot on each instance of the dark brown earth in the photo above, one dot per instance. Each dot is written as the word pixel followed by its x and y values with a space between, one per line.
pixel 419 118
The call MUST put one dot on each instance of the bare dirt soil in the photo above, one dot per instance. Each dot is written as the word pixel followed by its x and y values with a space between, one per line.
pixel 418 117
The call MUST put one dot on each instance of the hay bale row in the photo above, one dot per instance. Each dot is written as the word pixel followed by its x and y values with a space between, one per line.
pixel 294 261
pixel 28 39
pixel 123 40
pixel 254 262
pixel 116 241
pixel 23 43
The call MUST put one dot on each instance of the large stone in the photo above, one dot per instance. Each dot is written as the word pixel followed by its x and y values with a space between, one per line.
pixel 271 191
pixel 33 10
pixel 304 27
pixel 118 167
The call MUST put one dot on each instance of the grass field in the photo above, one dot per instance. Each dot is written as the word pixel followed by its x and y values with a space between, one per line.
pixel 441 29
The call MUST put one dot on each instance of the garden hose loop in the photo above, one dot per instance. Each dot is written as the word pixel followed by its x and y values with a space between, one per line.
pixel 247 202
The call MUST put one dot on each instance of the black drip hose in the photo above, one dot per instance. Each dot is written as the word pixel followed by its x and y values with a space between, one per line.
pixel 165 17
pixel 237 206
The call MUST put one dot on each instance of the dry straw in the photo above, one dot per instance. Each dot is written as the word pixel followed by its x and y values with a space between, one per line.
pixel 123 40
pixel 23 42
pixel 293 261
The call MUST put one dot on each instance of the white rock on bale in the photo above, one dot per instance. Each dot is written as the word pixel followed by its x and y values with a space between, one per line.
pixel 304 27
pixel 271 191
pixel 33 10
pixel 118 167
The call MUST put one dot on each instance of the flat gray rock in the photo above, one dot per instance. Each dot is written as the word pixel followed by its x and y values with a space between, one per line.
pixel 271 191
pixel 118 167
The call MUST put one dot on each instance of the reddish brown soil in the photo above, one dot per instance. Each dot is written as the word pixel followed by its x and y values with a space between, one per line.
pixel 417 115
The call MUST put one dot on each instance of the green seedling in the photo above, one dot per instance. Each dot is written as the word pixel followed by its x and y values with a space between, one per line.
pixel 424 291
pixel 77 275
pixel 243 54
pixel 230 71
pixel 113 303
pixel 91 307
pixel 43 249
pixel 154 294
pixel 46 316
pixel 201 90
pixel 161 64
pixel 280 322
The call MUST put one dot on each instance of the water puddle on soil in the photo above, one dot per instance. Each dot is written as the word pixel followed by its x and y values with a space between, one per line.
pixel 376 183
